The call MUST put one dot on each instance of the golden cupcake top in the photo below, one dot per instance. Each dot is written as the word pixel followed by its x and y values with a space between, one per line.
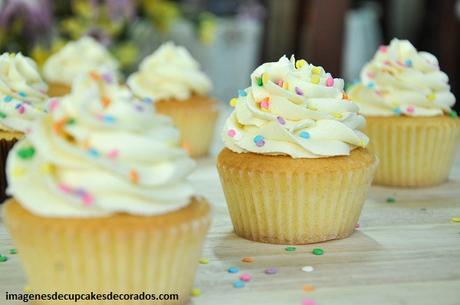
pixel 399 80
pixel 294 108
pixel 100 152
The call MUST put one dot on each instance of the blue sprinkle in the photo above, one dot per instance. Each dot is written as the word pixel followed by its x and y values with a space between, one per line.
pixel 17 106
pixel 258 138
pixel 397 111
pixel 408 63
pixel 93 152
pixel 148 100
pixel 109 119
pixel 233 270
pixel 242 93
pixel 304 134
pixel 238 284
pixel 22 94
pixel 7 98
pixel 371 85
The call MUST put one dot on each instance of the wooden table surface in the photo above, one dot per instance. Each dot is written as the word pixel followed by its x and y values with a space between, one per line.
pixel 407 252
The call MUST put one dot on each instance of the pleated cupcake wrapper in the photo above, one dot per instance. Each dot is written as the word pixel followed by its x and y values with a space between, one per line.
pixel 413 155
pixel 79 260
pixel 5 147
pixel 284 208
pixel 196 128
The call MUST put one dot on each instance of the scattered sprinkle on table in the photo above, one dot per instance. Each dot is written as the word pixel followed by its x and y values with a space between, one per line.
pixel 233 270
pixel 290 249
pixel 203 261
pixel 245 277
pixel 13 251
pixel 271 271
pixel 308 268
pixel 247 260
pixel 391 200
pixel 3 258
pixel 308 302
pixel 238 284
pixel 308 288
pixel 455 219
pixel 317 251
pixel 196 292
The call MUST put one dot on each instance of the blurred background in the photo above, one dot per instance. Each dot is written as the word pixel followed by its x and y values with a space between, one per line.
pixel 231 37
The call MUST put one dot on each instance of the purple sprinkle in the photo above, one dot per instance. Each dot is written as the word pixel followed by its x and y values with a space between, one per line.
pixel 139 107
pixel 260 143
pixel 108 78
pixel 271 271
pixel 298 91
pixel 80 192
pixel 281 120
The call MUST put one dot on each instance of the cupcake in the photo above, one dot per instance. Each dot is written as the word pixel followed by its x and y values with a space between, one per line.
pixel 22 99
pixel 172 79
pixel 407 102
pixel 295 169
pixel 101 202
pixel 75 58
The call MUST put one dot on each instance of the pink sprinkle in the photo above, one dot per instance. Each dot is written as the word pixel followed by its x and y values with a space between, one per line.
pixel 410 109
pixel 383 49
pixel 245 277
pixel 54 103
pixel 400 63
pixel 64 188
pixel 370 75
pixel 329 82
pixel 378 92
pixel 231 133
pixel 113 154
pixel 387 62
pixel 308 302
pixel 279 83
pixel 88 199
pixel 265 104
pixel 21 109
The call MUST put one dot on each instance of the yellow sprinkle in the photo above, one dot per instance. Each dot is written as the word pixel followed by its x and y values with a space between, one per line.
pixel 196 292
pixel 285 85
pixel 315 79
pixel 203 261
pixel 265 78
pixel 18 171
pixel 233 102
pixel 47 168
pixel 316 70
pixel 431 97
pixel 312 108
pixel 337 115
pixel 300 63
pixel 455 219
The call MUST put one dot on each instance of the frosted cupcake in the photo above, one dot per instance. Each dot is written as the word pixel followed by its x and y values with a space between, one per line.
pixel 406 100
pixel 22 99
pixel 172 79
pixel 100 198
pixel 75 58
pixel 294 170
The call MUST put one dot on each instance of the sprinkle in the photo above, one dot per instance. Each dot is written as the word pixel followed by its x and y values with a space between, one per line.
pixel 285 85
pixel 93 152
pixel 279 82
pixel 147 100
pixel 298 91
pixel 7 98
pixel 408 63
pixel 233 102
pixel 308 302
pixel 47 168
pixel 400 63
pixel 107 77
pixel 3 258
pixel 410 109
pixel 357 226
pixel 53 104
pixel 259 81
pixel 260 144
pixel 265 103
pixel 247 260
pixel 87 199
pixel 371 85
pixel 113 154
pixel 345 96
pixel 26 153
pixel 318 251
pixel 304 134
pixel 94 75
pixel 312 108
pixel 455 219
pixel 391 200
pixel 315 79
pixel 239 284
pixel 300 63
pixel 203 261
pixel 281 120
pixel 233 270
pixel 308 288
pixel 453 114
pixel 290 248
pixel 370 75
pixel 22 94
pixel 245 277
pixel 18 172
pixel 270 271
pixel 265 78
pixel 258 138
pixel 21 109
pixel 2 115
pixel 134 176
pixel 431 97
pixel 231 133
pixel 387 62
pixel 242 93
pixel 329 82
pixel 64 188
pixel 308 268
pixel 383 49
pixel 185 146
pixel 13 251
pixel 196 292
pixel 397 111
pixel 337 115
pixel 108 119
pixel 105 101
pixel 316 70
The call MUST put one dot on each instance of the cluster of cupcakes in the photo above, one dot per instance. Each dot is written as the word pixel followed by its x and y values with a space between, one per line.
pixel 98 165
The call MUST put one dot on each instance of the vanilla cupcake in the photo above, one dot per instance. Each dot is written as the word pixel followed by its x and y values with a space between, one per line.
pixel 75 58
pixel 172 79
pixel 407 103
pixel 101 202
pixel 22 99
pixel 294 170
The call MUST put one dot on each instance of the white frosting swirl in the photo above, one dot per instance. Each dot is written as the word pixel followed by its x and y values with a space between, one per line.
pixel 100 152
pixel 296 109
pixel 400 80
pixel 169 73
pixel 76 58
pixel 22 92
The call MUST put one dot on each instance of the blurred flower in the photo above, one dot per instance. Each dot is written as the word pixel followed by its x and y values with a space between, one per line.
pixel 40 54
pixel 207 28
pixel 161 12
pixel 121 9
pixel 126 54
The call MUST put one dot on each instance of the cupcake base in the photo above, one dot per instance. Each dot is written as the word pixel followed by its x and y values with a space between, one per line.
pixel 7 141
pixel 281 200
pixel 120 254
pixel 413 151
pixel 195 118
pixel 58 89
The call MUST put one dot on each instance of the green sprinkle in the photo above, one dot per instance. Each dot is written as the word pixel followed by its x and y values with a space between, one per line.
pixel 3 259
pixel 453 114
pixel 26 153
pixel 318 251
pixel 260 81
pixel 13 251
pixel 203 261
pixel 391 200
pixel 290 249
pixel 2 115
pixel 70 121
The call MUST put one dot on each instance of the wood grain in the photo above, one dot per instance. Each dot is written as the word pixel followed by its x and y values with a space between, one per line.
pixel 407 252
